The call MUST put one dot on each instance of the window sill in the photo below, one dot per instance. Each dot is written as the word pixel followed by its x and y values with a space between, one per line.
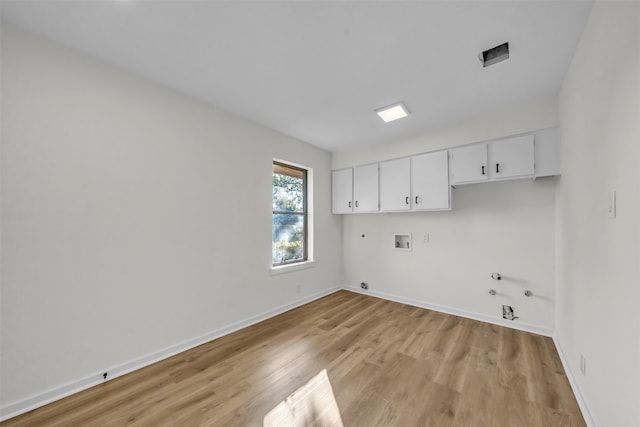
pixel 282 269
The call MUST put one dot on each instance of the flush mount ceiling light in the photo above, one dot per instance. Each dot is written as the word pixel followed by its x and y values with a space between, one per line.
pixel 494 55
pixel 392 112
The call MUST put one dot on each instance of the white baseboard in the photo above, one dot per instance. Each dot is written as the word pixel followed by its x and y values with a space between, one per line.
pixel 582 403
pixel 456 312
pixel 16 408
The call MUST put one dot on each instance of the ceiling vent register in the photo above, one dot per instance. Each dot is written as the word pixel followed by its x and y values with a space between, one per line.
pixel 495 55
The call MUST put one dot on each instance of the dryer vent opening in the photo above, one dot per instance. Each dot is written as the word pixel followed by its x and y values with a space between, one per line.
pixel 495 55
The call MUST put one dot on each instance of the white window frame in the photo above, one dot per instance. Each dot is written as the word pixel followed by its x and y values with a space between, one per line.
pixel 310 261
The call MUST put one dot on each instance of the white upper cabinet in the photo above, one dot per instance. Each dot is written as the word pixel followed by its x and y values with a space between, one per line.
pixel 423 182
pixel 342 191
pixel 395 185
pixel 430 181
pixel 511 158
pixel 415 183
pixel 365 188
pixel 469 164
pixel 355 190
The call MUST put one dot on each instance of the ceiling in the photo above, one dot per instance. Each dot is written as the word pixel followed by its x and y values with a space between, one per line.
pixel 317 70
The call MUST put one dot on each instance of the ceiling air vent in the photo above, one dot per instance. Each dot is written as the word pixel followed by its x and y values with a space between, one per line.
pixel 495 55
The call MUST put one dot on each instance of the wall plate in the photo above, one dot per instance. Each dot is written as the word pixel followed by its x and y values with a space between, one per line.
pixel 402 242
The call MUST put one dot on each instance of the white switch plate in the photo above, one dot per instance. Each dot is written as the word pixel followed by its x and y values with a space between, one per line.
pixel 612 204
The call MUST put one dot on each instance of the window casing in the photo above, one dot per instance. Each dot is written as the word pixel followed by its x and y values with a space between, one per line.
pixel 290 215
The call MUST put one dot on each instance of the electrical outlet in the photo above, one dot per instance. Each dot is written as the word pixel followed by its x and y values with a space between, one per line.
pixel 583 365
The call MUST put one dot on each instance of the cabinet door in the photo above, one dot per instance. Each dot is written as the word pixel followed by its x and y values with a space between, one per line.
pixel 511 158
pixel 430 181
pixel 342 190
pixel 395 185
pixel 365 188
pixel 469 164
pixel 547 153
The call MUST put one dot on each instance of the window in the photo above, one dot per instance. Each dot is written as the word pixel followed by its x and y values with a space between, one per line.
pixel 290 216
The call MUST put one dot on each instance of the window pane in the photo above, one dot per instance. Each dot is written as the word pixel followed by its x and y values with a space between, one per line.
pixel 288 193
pixel 288 238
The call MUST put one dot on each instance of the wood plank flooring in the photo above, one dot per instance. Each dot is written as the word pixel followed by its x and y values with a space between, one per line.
pixel 389 364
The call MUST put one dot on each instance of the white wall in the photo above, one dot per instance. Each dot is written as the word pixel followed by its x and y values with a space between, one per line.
pixel 506 227
pixel 599 257
pixel 133 218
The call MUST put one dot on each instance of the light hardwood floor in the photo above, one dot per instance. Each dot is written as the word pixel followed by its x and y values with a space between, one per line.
pixel 389 364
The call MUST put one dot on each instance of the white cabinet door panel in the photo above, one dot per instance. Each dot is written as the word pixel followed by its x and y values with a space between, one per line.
pixel 395 185
pixel 430 181
pixel 511 158
pixel 469 164
pixel 342 191
pixel 365 188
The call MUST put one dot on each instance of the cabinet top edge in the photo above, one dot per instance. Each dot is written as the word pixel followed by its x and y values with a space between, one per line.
pixel 453 147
